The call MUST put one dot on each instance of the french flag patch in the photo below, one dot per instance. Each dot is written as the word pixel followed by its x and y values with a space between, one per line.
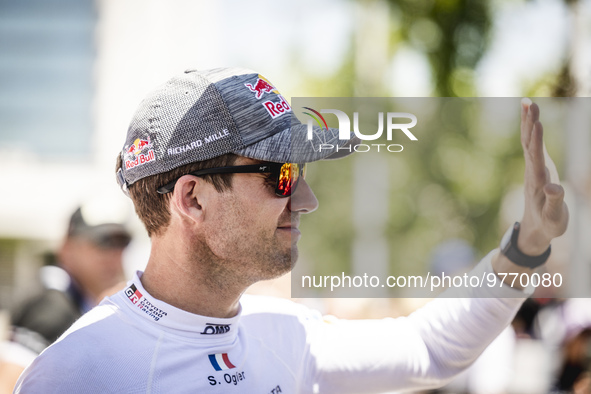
pixel 220 361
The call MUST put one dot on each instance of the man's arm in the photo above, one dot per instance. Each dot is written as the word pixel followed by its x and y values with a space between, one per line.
pixel 424 350
pixel 546 215
pixel 441 339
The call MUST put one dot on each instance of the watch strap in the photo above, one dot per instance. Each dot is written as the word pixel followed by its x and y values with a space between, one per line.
pixel 511 251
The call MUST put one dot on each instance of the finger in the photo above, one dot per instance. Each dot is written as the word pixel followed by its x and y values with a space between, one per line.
pixel 535 155
pixel 554 192
pixel 533 114
pixel 554 201
pixel 525 103
pixel 530 115
pixel 552 171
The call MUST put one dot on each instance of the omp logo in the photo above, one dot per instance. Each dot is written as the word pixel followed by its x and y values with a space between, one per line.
pixel 212 329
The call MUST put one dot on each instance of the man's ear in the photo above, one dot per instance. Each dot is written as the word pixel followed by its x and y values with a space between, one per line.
pixel 189 198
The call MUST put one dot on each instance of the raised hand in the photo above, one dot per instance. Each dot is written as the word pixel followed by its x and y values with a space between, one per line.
pixel 546 214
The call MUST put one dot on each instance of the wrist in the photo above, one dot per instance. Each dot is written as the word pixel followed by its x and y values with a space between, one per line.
pixel 531 256
pixel 532 243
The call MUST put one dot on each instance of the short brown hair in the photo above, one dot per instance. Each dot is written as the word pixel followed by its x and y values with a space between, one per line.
pixel 152 207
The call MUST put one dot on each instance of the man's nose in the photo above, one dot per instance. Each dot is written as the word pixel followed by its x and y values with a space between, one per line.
pixel 303 200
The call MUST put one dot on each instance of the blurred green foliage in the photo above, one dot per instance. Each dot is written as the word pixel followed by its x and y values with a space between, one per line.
pixel 453 34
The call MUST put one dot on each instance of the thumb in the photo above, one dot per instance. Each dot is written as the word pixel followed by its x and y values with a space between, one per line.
pixel 554 199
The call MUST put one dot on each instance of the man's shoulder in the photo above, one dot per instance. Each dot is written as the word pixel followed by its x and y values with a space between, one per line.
pixel 266 304
pixel 98 344
pixel 264 310
pixel 91 332
pixel 96 320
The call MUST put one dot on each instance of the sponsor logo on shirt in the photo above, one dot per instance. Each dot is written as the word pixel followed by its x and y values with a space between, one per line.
pixel 133 294
pixel 141 302
pixel 212 329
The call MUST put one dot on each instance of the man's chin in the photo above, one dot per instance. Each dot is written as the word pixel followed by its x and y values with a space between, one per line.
pixel 286 262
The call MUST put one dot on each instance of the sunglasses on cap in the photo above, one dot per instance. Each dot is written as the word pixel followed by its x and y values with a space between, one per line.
pixel 285 175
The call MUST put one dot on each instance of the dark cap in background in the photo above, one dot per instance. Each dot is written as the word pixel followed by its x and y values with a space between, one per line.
pixel 103 230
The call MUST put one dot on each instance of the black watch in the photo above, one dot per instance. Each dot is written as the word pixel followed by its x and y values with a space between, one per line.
pixel 509 249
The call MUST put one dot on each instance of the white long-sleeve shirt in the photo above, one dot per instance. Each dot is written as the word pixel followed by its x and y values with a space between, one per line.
pixel 134 343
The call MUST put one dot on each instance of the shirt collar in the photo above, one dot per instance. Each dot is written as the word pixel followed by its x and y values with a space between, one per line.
pixel 169 317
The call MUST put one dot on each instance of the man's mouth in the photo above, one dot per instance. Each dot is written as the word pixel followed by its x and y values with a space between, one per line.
pixel 292 229
pixel 290 225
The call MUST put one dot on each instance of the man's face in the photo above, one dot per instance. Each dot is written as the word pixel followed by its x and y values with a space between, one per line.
pixel 94 267
pixel 254 230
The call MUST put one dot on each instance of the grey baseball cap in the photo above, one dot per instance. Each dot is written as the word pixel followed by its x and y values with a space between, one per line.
pixel 199 115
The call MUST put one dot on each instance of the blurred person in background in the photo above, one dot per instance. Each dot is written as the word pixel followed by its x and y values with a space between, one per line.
pixel 89 266
pixel 565 329
pixel 215 168
pixel 575 372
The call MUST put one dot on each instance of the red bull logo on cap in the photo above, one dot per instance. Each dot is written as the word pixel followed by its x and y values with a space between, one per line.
pixel 273 108
pixel 276 109
pixel 135 157
pixel 260 87
pixel 138 145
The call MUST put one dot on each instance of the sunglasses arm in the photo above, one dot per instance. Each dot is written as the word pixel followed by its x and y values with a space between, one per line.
pixel 252 168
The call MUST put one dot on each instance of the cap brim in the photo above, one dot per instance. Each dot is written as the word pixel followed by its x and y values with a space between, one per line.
pixel 98 234
pixel 293 146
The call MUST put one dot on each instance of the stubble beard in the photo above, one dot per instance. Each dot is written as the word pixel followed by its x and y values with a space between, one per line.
pixel 242 257
pixel 265 258
pixel 252 265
